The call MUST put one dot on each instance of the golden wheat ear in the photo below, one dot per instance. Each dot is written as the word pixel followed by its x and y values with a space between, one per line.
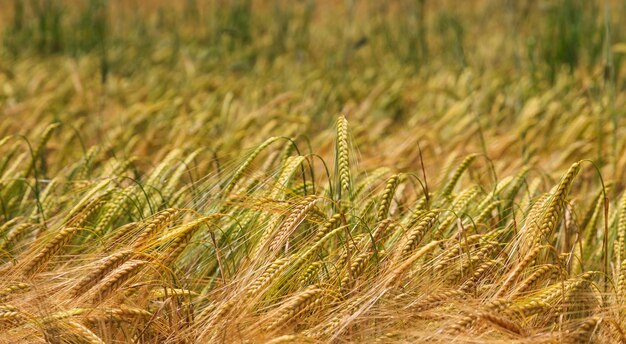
pixel 343 158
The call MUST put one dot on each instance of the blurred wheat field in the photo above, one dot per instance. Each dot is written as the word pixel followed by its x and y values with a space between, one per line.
pixel 237 171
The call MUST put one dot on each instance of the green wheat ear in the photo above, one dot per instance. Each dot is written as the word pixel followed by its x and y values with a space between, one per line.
pixel 446 191
pixel 239 173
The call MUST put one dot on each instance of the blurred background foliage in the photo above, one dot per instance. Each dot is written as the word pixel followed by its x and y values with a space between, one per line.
pixel 386 64
pixel 543 36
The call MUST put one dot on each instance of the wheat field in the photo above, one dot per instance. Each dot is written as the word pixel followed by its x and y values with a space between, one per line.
pixel 237 171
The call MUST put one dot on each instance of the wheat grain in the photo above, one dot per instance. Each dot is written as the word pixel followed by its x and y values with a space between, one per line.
pixel 85 333
pixel 343 159
pixel 103 267
pixel 117 277
pixel 50 249
pixel 292 221
pixel 417 233
pixel 162 219
pixel 299 303
pixel 449 187
pixel 385 201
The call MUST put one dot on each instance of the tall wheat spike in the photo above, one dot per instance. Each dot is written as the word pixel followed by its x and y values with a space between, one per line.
pixel 343 158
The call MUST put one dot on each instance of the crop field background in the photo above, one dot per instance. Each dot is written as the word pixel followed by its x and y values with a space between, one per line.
pixel 315 171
